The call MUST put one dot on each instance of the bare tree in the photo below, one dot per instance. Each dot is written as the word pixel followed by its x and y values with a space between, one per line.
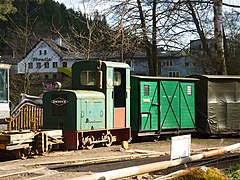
pixel 20 47
pixel 167 25
pixel 156 24
pixel 232 41
pixel 201 32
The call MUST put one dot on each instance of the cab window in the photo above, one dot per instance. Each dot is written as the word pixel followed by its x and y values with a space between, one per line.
pixel 88 78
pixel 3 86
pixel 117 78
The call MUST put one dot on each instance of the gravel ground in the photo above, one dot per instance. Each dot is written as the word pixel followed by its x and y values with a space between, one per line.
pixel 150 147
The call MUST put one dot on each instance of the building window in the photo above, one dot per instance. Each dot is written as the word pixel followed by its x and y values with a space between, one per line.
pixel 55 64
pixel 30 65
pixel 45 52
pixel 199 46
pixel 54 76
pixel 159 68
pixel 38 65
pixel 167 63
pixel 40 52
pixel 174 74
pixel 46 64
pixel 64 64
pixel 187 64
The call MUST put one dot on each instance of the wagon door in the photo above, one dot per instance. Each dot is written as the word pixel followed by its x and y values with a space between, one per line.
pixel 149 106
pixel 169 98
pixel 187 103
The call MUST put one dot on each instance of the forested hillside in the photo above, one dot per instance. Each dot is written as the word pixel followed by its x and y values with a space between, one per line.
pixel 36 19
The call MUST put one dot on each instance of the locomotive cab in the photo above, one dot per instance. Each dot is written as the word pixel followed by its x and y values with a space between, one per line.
pixel 4 95
pixel 113 80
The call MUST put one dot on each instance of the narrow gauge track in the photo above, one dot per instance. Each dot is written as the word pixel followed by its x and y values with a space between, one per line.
pixel 220 161
pixel 44 170
pixel 70 169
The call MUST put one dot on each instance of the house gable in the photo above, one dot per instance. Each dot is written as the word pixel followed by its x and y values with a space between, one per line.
pixel 42 58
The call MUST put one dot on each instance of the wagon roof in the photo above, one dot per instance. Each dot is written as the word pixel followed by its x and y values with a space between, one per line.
pixel 5 66
pixel 166 78
pixel 217 76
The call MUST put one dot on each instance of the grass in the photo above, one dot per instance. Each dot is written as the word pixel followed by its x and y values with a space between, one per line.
pixel 210 173
pixel 233 172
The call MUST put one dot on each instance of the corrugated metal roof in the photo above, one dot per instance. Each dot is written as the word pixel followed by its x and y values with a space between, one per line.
pixel 166 78
pixel 217 76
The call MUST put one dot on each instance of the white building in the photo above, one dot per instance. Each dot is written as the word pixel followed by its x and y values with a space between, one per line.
pixel 49 57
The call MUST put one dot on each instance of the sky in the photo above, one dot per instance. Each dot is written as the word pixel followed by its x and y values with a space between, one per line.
pixel 91 7
pixel 75 4
pixel 78 5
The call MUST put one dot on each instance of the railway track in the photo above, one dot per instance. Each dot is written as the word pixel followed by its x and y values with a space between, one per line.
pixel 222 162
pixel 42 170
pixel 70 169
pixel 69 164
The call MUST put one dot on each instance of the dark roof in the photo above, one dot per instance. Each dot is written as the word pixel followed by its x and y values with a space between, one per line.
pixel 63 50
pixel 9 59
pixel 143 54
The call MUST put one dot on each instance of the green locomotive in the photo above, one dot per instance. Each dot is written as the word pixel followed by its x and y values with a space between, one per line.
pixel 96 110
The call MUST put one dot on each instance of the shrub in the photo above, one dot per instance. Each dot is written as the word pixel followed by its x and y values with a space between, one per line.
pixel 202 173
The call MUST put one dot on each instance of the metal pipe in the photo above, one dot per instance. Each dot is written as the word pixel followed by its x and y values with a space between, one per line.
pixel 136 170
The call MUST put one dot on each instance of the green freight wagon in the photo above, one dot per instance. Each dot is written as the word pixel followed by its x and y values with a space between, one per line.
pixel 162 105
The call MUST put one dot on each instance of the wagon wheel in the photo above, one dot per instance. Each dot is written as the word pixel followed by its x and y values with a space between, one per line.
pixel 22 153
pixel 89 144
pixel 42 151
pixel 50 146
pixel 109 140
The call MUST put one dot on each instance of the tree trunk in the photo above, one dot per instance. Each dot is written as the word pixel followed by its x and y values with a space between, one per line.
pixel 154 40
pixel 201 35
pixel 218 34
pixel 151 48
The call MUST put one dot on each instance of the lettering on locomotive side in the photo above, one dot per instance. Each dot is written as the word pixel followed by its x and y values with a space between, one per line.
pixel 59 101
